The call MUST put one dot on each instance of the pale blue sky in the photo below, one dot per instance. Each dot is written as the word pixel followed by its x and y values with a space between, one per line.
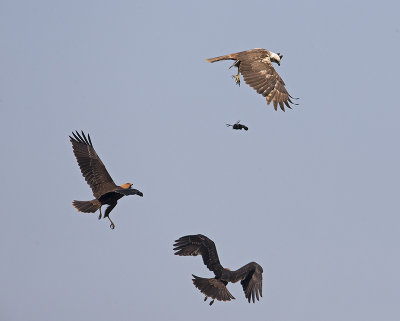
pixel 310 194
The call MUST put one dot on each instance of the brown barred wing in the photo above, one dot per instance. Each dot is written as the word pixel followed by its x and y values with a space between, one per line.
pixel 92 168
pixel 261 76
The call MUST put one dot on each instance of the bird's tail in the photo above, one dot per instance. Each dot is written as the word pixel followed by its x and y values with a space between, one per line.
pixel 87 206
pixel 212 288
pixel 226 57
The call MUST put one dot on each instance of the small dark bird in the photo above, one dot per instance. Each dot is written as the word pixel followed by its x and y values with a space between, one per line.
pixel 258 72
pixel 237 125
pixel 250 275
pixel 95 173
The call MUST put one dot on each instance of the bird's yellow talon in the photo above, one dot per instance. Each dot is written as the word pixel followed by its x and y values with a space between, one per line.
pixel 237 79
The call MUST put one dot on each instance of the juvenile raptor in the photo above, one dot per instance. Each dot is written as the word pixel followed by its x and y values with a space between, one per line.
pixel 250 275
pixel 105 191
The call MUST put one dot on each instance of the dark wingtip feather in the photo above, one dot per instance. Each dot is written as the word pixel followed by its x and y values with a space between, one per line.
pixel 90 141
pixel 275 104
pixel 293 97
pixel 179 245
pixel 85 139
pixel 76 138
pixel 292 101
pixel 81 138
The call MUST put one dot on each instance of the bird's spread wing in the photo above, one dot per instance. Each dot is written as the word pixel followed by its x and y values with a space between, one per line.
pixel 128 191
pixel 199 244
pixel 92 168
pixel 261 75
pixel 212 288
pixel 250 277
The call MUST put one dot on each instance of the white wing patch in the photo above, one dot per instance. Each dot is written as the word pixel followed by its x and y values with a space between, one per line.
pixel 266 60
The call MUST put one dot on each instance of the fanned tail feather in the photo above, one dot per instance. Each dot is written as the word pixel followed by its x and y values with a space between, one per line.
pixel 212 288
pixel 87 206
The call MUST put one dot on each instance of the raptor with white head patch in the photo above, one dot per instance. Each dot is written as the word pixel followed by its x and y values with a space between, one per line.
pixel 256 67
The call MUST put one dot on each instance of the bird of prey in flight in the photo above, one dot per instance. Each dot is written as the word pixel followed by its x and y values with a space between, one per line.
pixel 255 65
pixel 250 275
pixel 95 173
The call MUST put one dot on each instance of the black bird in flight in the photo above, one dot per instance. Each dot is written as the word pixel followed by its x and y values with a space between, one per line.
pixel 238 126
pixel 258 72
pixel 250 275
pixel 95 173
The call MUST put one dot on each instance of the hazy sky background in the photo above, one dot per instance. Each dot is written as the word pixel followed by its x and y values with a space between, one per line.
pixel 311 194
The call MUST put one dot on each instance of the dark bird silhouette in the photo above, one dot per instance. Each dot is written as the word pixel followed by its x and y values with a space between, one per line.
pixel 95 173
pixel 238 126
pixel 250 275
pixel 258 72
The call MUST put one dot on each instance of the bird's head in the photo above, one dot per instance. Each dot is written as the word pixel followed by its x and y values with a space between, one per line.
pixel 126 185
pixel 275 57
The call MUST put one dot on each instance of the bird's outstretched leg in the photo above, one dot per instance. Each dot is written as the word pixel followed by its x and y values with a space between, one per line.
pixel 211 303
pixel 107 214
pixel 237 77
pixel 100 213
pixel 112 225
pixel 205 299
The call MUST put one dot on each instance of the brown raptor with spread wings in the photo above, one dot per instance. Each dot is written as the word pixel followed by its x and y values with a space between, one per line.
pixel 250 275
pixel 95 173
pixel 256 67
